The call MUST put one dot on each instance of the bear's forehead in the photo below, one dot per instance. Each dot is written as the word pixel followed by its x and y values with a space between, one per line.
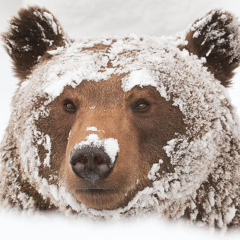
pixel 137 59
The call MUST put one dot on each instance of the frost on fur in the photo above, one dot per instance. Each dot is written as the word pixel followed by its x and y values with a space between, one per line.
pixel 216 37
pixel 31 34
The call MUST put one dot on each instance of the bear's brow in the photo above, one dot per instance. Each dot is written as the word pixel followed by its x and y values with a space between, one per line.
pixel 103 92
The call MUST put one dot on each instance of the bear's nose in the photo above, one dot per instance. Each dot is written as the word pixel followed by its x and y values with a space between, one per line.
pixel 91 163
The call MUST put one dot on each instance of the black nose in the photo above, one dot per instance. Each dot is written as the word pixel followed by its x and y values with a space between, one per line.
pixel 91 163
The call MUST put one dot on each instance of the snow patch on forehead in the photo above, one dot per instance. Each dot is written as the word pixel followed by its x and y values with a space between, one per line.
pixel 140 78
pixel 110 145
pixel 73 74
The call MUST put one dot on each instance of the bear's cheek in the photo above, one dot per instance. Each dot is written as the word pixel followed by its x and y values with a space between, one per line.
pixel 57 126
pixel 163 124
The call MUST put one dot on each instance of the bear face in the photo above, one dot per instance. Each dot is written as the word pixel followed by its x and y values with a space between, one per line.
pixel 135 113
pixel 127 125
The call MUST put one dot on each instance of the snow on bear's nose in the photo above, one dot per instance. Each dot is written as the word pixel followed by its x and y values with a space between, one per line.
pixel 94 158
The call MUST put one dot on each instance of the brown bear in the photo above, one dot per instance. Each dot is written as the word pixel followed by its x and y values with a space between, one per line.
pixel 114 127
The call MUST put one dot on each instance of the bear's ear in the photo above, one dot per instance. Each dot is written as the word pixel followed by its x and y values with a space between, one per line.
pixel 31 34
pixel 217 38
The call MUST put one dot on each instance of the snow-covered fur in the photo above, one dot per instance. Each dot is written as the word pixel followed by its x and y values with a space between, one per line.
pixel 198 174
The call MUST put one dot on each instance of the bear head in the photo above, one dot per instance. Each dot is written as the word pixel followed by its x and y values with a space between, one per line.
pixel 116 126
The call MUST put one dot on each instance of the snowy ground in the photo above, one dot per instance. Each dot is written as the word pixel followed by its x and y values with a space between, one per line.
pixel 91 18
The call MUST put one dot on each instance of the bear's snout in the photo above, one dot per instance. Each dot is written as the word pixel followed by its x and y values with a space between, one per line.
pixel 91 163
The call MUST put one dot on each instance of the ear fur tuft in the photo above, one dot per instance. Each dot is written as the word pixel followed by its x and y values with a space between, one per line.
pixel 217 38
pixel 31 34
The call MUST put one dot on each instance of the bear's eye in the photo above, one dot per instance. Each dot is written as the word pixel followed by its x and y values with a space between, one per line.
pixel 69 106
pixel 141 106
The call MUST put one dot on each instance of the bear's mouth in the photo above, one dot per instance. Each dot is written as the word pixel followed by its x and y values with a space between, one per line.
pixel 101 198
pixel 97 191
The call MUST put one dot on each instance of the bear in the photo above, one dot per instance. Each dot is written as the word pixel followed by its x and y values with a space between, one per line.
pixel 111 128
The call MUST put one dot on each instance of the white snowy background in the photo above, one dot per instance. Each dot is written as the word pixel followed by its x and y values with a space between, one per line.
pixel 92 18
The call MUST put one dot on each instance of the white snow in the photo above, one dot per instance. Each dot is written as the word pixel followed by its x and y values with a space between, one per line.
pixel 154 172
pixel 47 145
pixel 230 214
pixel 140 78
pixel 199 25
pixel 93 129
pixel 52 23
pixel 85 18
pixel 211 198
